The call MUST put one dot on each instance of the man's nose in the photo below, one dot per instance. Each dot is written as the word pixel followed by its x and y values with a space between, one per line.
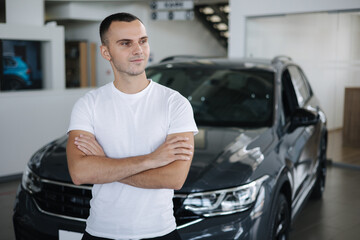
pixel 137 48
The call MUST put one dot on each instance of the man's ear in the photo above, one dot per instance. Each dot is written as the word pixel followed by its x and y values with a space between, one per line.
pixel 105 52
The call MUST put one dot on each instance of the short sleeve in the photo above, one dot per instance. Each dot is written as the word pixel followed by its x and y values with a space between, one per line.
pixel 82 115
pixel 181 115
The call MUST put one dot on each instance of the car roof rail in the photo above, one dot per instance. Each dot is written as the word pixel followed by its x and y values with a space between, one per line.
pixel 182 57
pixel 280 58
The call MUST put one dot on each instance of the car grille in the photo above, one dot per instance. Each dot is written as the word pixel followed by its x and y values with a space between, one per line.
pixel 71 201
pixel 63 199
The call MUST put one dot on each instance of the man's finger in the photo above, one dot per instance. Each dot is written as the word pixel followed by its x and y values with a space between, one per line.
pixel 89 143
pixel 184 151
pixel 86 145
pixel 84 150
pixel 178 139
pixel 182 157
pixel 182 145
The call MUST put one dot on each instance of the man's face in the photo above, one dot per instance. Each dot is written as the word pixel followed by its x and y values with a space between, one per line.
pixel 128 47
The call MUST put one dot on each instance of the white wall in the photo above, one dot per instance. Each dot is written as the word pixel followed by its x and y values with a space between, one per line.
pixel 182 38
pixel 242 9
pixel 23 16
pixel 29 119
pixel 324 44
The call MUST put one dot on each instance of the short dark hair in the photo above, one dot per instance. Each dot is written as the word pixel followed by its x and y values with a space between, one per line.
pixel 120 17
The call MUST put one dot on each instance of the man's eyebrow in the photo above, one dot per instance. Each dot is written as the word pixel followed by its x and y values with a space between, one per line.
pixel 124 40
pixel 130 40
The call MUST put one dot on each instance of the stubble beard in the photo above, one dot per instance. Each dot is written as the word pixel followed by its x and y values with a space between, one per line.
pixel 131 70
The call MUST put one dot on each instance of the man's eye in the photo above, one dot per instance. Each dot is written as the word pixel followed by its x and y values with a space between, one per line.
pixel 125 43
pixel 143 41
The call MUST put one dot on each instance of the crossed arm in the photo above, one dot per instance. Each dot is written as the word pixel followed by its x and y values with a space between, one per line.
pixel 166 167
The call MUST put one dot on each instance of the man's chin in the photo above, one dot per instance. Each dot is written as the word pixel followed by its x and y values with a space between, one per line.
pixel 136 73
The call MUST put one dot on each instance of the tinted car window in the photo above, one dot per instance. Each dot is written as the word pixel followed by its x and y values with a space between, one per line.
pixel 300 86
pixel 306 81
pixel 222 97
pixel 9 62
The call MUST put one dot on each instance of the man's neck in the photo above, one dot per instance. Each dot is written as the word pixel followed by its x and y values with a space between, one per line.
pixel 131 84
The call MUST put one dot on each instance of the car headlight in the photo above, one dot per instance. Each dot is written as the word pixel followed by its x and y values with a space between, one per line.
pixel 224 202
pixel 30 181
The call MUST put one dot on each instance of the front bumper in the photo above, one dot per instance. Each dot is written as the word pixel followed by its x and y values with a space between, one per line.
pixel 30 223
pixel 240 226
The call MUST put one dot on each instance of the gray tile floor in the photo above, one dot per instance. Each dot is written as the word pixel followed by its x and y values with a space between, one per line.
pixel 7 198
pixel 335 217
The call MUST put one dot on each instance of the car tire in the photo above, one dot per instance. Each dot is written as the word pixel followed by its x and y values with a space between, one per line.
pixel 13 83
pixel 281 219
pixel 319 186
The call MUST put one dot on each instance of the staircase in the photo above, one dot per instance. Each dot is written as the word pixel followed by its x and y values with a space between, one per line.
pixel 215 18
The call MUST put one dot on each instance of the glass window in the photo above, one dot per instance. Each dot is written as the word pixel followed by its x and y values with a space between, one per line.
pixel 306 81
pixel 300 86
pixel 222 97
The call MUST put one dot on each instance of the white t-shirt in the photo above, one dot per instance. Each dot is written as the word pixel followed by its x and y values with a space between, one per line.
pixel 129 125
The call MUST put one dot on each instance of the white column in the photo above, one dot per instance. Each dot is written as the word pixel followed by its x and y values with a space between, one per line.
pixel 237 30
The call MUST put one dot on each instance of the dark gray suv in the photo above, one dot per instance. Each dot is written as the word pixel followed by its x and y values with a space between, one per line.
pixel 260 153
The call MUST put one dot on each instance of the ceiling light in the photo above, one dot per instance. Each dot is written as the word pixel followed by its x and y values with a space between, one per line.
pixel 225 34
pixel 221 26
pixel 207 10
pixel 225 9
pixel 214 18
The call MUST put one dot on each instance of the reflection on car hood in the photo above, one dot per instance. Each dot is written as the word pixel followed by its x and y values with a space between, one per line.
pixel 52 163
pixel 223 158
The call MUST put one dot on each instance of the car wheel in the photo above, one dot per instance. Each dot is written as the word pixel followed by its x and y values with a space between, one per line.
pixel 13 83
pixel 280 224
pixel 319 186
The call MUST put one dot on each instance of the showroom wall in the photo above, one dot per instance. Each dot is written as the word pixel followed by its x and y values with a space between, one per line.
pixel 323 41
pixel 30 119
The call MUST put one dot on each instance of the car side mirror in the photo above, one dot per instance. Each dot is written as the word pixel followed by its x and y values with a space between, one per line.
pixel 301 118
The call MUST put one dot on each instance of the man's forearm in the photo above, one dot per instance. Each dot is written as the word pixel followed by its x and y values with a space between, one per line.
pixel 171 176
pixel 88 164
pixel 107 169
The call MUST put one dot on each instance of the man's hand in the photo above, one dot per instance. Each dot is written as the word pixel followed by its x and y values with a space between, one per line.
pixel 171 176
pixel 173 149
pixel 88 145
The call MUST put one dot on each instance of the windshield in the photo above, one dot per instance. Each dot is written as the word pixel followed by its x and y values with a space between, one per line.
pixel 222 97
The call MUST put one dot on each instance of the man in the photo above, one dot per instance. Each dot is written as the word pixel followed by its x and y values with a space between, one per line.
pixel 133 139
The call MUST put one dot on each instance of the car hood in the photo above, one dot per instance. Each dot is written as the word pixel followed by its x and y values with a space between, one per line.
pixel 50 161
pixel 223 158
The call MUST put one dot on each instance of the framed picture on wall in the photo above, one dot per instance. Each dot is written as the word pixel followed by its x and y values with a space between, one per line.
pixel 21 66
